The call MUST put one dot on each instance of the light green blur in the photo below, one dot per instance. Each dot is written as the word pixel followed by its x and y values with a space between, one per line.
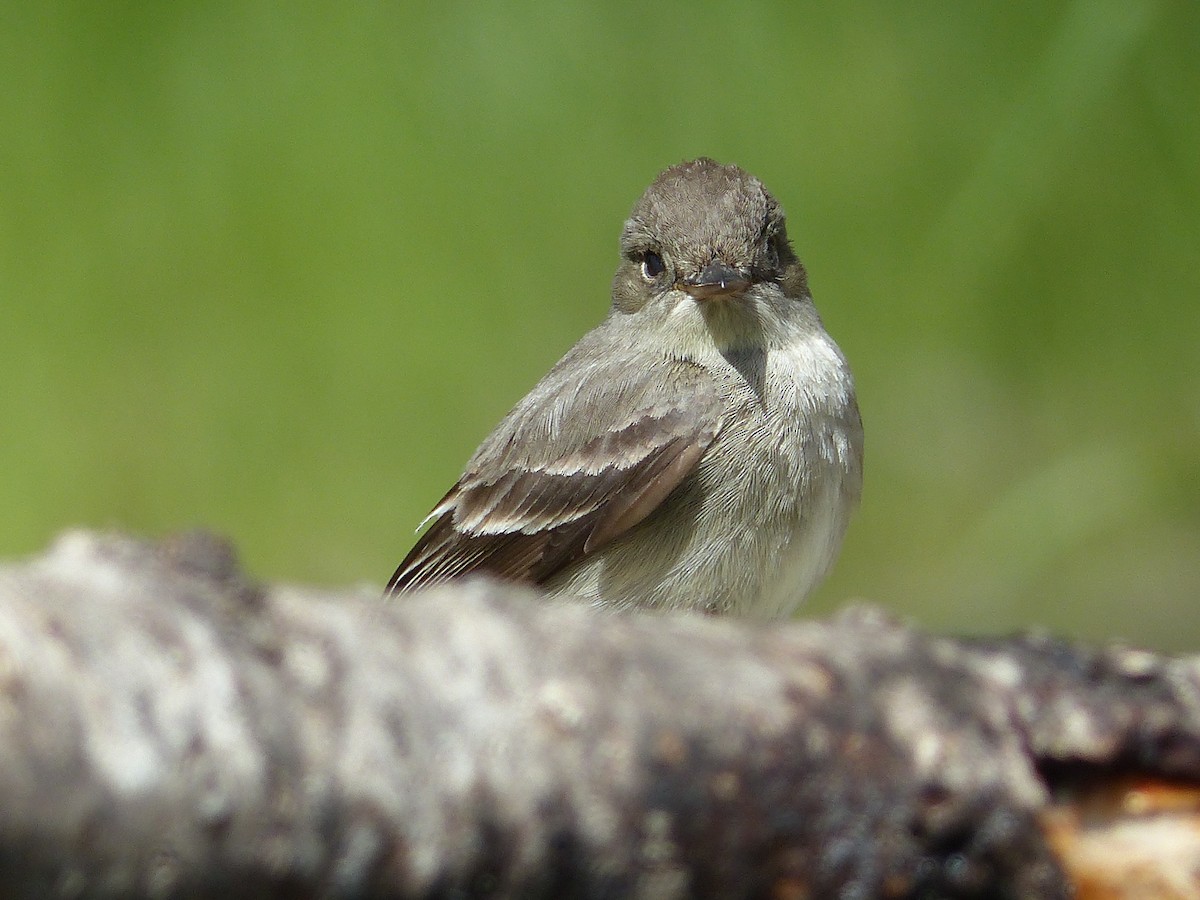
pixel 276 270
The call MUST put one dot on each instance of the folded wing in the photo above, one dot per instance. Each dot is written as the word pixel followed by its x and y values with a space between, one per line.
pixel 586 456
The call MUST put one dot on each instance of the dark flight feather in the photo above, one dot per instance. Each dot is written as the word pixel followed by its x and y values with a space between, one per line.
pixel 609 443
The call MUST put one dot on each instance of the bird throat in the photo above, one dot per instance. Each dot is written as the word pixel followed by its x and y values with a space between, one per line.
pixel 733 323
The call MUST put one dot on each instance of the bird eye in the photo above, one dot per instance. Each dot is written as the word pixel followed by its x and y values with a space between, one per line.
pixel 652 265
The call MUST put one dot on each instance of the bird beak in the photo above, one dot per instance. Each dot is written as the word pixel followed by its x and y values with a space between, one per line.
pixel 715 280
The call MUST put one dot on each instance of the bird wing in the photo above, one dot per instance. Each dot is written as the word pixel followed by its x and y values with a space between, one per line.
pixel 593 449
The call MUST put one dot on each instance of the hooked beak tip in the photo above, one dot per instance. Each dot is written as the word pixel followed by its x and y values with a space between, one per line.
pixel 715 280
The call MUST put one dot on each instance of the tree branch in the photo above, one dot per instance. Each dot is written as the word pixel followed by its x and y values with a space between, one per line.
pixel 170 728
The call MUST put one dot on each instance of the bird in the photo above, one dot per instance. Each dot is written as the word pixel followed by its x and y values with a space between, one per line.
pixel 700 449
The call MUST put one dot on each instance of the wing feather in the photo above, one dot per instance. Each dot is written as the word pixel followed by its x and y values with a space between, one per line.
pixel 575 465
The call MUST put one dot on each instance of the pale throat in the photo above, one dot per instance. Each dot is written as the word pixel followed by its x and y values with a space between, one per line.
pixel 698 329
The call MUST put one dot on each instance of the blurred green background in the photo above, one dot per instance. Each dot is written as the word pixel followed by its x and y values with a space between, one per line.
pixel 276 270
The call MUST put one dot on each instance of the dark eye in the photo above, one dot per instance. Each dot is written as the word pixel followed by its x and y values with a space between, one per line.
pixel 652 265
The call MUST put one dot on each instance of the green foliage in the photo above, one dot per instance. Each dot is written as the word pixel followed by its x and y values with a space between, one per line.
pixel 276 270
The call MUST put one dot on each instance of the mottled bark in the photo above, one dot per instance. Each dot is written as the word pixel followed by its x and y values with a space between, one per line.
pixel 169 728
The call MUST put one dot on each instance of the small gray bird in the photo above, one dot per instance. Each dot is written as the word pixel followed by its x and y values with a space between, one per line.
pixel 700 449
